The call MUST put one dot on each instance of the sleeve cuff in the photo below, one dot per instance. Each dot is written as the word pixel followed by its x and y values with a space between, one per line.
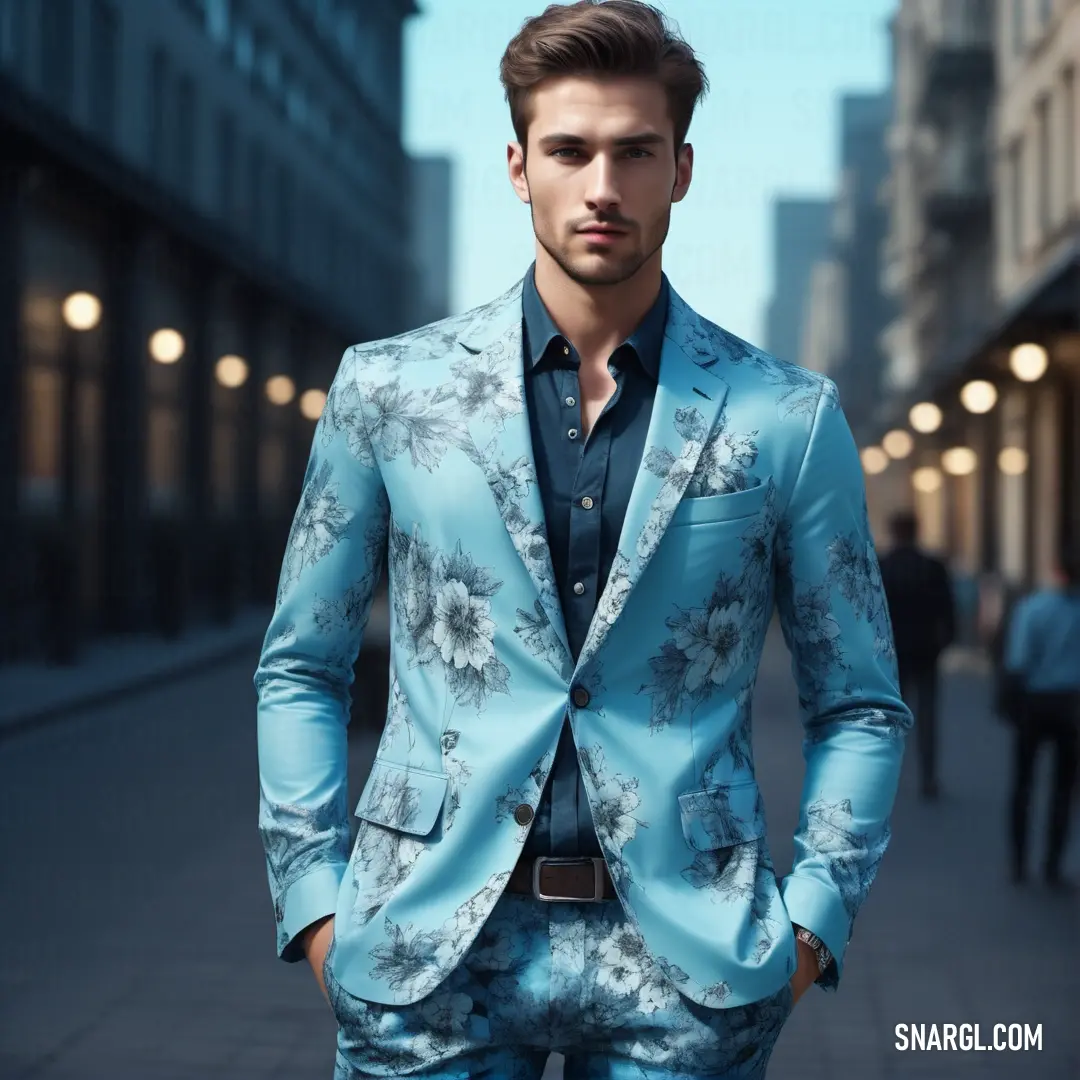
pixel 820 909
pixel 311 898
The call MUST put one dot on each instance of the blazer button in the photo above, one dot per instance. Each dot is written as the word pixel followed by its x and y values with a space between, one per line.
pixel 580 696
pixel 523 814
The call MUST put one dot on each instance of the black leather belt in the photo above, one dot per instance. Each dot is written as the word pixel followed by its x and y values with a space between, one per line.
pixel 563 879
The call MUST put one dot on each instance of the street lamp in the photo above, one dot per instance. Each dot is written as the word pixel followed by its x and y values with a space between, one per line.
pixel 166 346
pixel 82 311
pixel 959 461
pixel 927 479
pixel 280 389
pixel 231 371
pixel 1013 461
pixel 925 417
pixel 874 460
pixel 898 444
pixel 312 403
pixel 979 396
pixel 1028 362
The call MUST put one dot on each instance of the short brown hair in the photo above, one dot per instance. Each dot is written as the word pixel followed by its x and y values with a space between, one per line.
pixel 603 38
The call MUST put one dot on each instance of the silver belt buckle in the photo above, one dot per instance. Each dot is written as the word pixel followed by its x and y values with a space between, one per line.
pixel 598 879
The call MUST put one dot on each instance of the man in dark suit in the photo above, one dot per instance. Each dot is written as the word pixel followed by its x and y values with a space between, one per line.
pixel 923 614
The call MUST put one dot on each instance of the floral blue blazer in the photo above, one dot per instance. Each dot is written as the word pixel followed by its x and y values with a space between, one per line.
pixel 750 492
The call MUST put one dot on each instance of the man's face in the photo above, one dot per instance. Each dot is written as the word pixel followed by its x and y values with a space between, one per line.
pixel 600 175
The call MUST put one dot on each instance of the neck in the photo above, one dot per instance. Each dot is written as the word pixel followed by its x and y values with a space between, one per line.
pixel 596 318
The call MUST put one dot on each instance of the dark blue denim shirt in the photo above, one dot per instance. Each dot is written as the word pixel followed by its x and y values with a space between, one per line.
pixel 583 542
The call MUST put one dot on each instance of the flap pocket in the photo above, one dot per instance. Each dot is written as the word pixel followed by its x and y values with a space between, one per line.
pixel 728 507
pixel 722 816
pixel 402 798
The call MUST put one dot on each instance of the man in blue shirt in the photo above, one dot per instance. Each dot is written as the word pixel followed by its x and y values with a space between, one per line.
pixel 1042 664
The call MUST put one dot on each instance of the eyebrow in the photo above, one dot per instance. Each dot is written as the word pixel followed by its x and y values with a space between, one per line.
pixel 646 138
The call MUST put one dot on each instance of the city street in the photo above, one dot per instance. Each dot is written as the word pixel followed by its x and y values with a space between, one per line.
pixel 139 941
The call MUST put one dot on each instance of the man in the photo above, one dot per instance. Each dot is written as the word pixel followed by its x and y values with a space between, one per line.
pixel 1042 668
pixel 923 615
pixel 591 496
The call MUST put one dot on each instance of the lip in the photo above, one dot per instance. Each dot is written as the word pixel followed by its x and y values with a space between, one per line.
pixel 601 236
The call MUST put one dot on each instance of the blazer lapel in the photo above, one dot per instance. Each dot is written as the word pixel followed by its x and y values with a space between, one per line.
pixel 689 399
pixel 491 375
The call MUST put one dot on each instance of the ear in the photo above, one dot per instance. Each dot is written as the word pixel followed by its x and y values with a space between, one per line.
pixel 515 164
pixel 684 171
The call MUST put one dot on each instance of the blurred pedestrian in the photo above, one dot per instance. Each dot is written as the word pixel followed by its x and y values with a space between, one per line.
pixel 923 613
pixel 1042 666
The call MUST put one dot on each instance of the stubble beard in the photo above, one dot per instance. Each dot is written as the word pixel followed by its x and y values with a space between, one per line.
pixel 613 270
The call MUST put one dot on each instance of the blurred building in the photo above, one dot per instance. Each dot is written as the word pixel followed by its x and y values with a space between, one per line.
pixel 200 208
pixel 984 258
pixel 432 196
pixel 858 231
pixel 938 257
pixel 828 307
pixel 800 238
pixel 822 343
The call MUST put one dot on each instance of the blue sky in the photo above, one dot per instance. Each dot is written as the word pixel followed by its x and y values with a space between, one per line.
pixel 767 128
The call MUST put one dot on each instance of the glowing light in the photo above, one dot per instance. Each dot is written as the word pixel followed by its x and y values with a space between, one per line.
pixel 925 417
pixel 1028 362
pixel 166 346
pixel 231 371
pixel 979 396
pixel 82 311
pixel 1013 461
pixel 312 403
pixel 875 460
pixel 898 444
pixel 280 389
pixel 959 460
pixel 927 479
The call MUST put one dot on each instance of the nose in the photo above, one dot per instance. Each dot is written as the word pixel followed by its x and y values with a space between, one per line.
pixel 601 192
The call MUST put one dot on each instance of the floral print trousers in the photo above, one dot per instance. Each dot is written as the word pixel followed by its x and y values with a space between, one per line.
pixel 566 977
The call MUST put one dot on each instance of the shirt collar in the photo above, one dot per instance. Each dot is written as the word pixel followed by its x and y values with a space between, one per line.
pixel 540 329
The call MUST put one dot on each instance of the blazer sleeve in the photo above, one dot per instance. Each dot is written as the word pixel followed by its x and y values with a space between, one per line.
pixel 328 577
pixel 835 620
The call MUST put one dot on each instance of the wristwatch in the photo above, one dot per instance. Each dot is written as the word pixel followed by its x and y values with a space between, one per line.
pixel 824 957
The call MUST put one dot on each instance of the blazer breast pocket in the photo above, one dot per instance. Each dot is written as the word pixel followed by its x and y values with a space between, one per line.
pixel 728 507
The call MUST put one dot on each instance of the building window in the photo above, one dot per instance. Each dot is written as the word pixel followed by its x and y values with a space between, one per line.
pixel 12 33
pixel 1044 164
pixel 284 213
pixel 269 64
pixel 158 106
pixel 185 133
pixel 244 49
pixel 256 181
pixel 1016 195
pixel 1068 145
pixel 226 165
pixel 217 21
pixel 58 53
pixel 103 61
pixel 1018 28
pixel 296 104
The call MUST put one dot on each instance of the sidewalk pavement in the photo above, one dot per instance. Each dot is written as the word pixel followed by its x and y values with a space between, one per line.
pixel 35 693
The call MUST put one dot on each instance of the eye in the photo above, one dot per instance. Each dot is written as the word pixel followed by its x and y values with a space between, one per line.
pixel 639 150
pixel 564 150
